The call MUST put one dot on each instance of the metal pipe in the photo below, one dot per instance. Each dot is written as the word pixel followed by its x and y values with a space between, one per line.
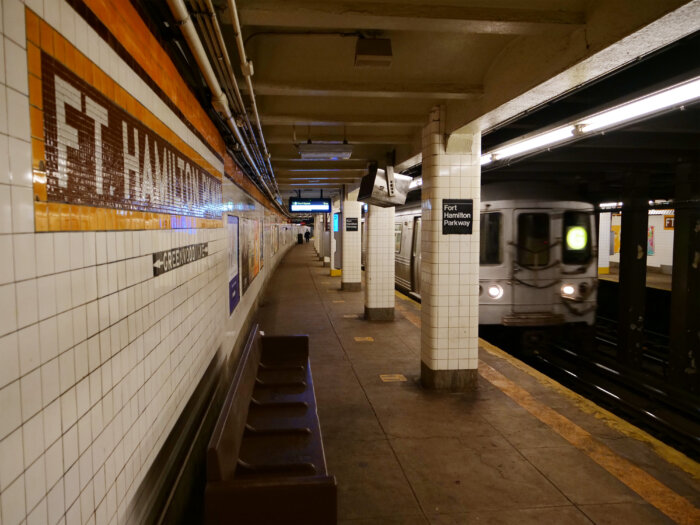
pixel 219 100
pixel 247 69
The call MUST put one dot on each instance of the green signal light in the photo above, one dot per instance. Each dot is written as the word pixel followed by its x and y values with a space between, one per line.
pixel 576 238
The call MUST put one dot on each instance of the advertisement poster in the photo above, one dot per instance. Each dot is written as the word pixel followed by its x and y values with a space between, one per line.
pixel 275 238
pixel 250 251
pixel 650 241
pixel 233 290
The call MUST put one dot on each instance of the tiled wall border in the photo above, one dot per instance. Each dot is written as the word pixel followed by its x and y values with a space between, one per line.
pixel 99 14
pixel 53 216
pixel 76 30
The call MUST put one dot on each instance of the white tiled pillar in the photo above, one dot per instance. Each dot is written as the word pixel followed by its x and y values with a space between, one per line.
pixel 352 245
pixel 379 264
pixel 450 262
pixel 604 243
pixel 335 237
pixel 317 233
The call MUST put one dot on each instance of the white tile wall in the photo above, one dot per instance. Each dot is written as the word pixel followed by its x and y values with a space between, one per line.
pixel 97 357
pixel 352 245
pixel 450 263
pixel 379 265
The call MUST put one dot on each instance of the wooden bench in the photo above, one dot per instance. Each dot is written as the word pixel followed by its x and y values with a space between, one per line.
pixel 265 459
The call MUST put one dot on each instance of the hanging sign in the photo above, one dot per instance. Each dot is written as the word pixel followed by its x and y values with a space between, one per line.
pixel 457 216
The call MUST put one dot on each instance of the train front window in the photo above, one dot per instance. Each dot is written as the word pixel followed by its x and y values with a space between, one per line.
pixel 397 237
pixel 490 239
pixel 533 239
pixel 577 238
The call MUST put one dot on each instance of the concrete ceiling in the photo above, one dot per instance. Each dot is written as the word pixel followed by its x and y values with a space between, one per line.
pixel 487 61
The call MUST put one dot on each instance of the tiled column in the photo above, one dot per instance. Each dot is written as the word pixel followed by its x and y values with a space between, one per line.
pixel 604 243
pixel 317 233
pixel 450 262
pixel 352 245
pixel 335 208
pixel 379 265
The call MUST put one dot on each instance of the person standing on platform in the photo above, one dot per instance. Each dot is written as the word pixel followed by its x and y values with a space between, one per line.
pixel 307 235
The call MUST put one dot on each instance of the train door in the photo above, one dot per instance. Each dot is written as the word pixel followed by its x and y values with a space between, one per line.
pixel 416 256
pixel 535 269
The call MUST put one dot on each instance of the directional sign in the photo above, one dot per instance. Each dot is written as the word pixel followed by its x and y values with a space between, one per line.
pixel 171 259
pixel 350 224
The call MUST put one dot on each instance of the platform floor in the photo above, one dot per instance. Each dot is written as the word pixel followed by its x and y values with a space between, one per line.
pixel 657 280
pixel 520 449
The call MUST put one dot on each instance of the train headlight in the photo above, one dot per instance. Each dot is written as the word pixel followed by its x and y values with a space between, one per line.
pixel 576 238
pixel 495 291
pixel 568 290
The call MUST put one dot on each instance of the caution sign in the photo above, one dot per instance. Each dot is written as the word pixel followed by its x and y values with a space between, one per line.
pixel 457 216
pixel 171 259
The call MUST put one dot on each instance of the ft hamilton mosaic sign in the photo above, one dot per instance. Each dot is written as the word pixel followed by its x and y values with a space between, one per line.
pixel 98 154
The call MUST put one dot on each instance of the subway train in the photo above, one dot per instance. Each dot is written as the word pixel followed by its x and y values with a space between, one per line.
pixel 537 260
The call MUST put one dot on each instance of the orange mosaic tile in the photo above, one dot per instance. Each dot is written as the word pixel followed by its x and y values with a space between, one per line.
pixel 34 59
pixel 122 19
pixel 35 98
pixel 33 27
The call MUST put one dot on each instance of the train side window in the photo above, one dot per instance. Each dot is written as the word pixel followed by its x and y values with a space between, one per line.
pixel 577 238
pixel 533 239
pixel 397 237
pixel 491 250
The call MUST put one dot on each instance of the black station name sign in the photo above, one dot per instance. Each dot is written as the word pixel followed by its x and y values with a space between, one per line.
pixel 350 224
pixel 171 259
pixel 457 216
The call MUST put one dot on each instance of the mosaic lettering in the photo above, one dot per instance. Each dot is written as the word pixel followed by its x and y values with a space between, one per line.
pixel 98 154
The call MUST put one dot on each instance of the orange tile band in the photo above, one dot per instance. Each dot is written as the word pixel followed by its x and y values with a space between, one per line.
pixel 121 18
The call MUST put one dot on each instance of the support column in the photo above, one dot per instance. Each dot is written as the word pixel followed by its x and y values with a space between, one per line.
pixel 633 269
pixel 450 261
pixel 379 265
pixel 335 237
pixel 317 234
pixel 604 242
pixel 351 280
pixel 685 288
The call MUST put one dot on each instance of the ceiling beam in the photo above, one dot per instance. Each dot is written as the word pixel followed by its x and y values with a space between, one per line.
pixel 367 90
pixel 343 120
pixel 337 139
pixel 405 17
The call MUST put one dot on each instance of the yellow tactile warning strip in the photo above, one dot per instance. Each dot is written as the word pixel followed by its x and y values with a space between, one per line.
pixel 350 316
pixel 336 273
pixel 669 454
pixel 652 490
pixel 392 378
pixel 364 339
pixel 339 301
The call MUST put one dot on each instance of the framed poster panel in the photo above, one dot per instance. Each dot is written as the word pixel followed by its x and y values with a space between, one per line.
pixel 234 295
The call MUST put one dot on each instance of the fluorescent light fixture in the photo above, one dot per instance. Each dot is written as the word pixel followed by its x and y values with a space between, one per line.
pixel 324 151
pixel 674 96
pixel 533 143
pixel 608 205
pixel 642 106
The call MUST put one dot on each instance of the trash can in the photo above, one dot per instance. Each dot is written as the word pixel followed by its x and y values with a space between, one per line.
pixel 300 238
